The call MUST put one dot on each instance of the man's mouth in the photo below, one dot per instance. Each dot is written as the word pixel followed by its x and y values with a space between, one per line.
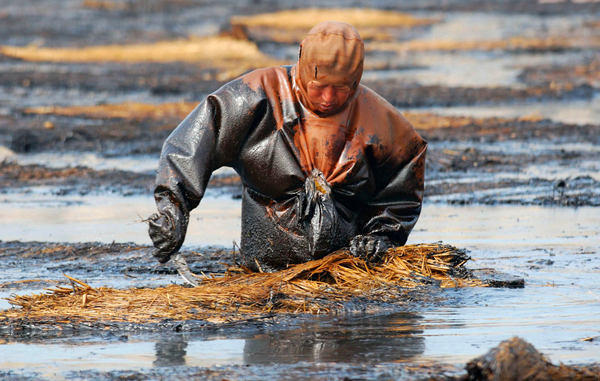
pixel 326 107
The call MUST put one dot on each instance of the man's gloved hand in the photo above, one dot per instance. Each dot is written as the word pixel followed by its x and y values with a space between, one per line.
pixel 369 247
pixel 167 236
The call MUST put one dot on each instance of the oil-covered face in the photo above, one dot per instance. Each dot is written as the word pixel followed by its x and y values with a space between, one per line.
pixel 327 99
pixel 330 65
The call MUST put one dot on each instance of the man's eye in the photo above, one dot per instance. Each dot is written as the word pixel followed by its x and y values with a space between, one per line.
pixel 343 89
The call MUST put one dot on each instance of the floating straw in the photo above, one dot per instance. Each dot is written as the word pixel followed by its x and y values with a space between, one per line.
pixel 314 287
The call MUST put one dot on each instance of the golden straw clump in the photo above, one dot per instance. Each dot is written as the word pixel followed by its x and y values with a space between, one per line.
pixel 127 110
pixel 314 287
pixel 307 18
pixel 429 121
pixel 513 43
pixel 192 50
pixel 232 55
pixel 104 4
pixel 291 26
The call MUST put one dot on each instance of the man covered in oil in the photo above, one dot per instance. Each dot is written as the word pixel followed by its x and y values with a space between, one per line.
pixel 325 162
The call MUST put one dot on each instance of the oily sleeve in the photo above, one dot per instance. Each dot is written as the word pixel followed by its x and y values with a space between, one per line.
pixel 396 206
pixel 210 137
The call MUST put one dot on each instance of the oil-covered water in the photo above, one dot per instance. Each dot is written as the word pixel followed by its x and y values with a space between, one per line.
pixel 554 249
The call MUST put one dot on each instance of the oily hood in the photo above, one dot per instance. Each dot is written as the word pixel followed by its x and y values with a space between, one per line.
pixel 332 53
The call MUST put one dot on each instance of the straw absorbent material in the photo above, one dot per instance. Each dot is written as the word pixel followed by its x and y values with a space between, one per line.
pixel 318 286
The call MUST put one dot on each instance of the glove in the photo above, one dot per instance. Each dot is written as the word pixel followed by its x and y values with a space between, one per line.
pixel 369 247
pixel 167 236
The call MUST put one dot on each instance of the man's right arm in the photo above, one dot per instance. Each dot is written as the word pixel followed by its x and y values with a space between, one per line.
pixel 210 137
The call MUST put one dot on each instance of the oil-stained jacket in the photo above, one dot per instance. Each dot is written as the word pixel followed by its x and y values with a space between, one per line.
pixel 310 184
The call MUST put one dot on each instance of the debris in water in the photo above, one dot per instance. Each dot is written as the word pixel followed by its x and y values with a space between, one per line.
pixel 517 360
pixel 315 287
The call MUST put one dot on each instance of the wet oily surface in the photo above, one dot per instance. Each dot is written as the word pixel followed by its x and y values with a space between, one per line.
pixel 559 263
pixel 506 93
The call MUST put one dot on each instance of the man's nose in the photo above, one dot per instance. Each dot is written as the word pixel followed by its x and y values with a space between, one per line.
pixel 328 94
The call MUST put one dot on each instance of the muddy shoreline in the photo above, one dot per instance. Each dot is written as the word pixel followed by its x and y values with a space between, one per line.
pixel 27 133
pixel 444 163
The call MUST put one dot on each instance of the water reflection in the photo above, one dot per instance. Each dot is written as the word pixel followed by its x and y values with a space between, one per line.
pixel 170 351
pixel 366 339
pixel 350 339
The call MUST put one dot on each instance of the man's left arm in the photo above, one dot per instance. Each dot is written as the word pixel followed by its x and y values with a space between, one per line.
pixel 390 216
